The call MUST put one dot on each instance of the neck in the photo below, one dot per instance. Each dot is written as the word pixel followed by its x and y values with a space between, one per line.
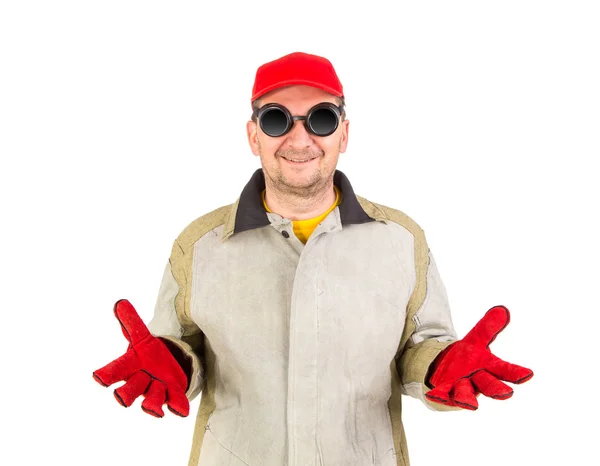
pixel 295 207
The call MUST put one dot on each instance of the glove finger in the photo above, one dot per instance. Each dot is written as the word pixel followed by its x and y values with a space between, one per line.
pixel 178 403
pixel 463 394
pixel 488 328
pixel 154 399
pixel 491 386
pixel 440 394
pixel 135 386
pixel 120 369
pixel 507 371
pixel 132 325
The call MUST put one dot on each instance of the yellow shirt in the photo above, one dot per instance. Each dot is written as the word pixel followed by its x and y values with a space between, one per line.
pixel 304 228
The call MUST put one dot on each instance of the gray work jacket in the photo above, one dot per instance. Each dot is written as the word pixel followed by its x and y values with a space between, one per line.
pixel 302 351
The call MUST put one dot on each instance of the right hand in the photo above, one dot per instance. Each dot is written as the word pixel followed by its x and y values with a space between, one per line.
pixel 148 368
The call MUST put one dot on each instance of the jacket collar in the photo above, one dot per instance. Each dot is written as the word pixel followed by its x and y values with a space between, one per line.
pixel 248 211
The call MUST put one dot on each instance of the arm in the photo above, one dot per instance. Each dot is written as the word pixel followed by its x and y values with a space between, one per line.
pixel 428 328
pixel 446 373
pixel 171 323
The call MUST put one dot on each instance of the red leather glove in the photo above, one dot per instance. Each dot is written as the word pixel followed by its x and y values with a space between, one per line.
pixel 467 367
pixel 148 368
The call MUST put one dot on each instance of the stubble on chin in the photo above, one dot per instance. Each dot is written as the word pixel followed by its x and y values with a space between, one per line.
pixel 277 180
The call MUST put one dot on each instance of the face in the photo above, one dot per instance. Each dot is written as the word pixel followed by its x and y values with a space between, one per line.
pixel 306 179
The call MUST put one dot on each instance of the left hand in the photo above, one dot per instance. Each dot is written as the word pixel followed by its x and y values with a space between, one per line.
pixel 468 365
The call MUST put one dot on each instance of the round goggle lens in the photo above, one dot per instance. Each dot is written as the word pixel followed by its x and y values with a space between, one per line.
pixel 323 121
pixel 274 122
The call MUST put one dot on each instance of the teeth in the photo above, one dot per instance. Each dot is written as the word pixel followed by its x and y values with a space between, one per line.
pixel 298 161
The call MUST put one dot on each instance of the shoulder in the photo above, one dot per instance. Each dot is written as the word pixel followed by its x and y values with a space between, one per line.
pixel 390 214
pixel 201 226
pixel 404 223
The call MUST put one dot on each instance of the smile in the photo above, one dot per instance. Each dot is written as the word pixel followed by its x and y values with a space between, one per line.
pixel 298 162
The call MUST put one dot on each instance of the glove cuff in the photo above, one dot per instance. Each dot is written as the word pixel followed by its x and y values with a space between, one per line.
pixel 434 365
pixel 182 358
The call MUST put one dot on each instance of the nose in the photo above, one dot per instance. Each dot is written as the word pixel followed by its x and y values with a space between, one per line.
pixel 299 135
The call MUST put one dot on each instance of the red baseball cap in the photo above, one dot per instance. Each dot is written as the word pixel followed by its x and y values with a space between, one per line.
pixel 296 68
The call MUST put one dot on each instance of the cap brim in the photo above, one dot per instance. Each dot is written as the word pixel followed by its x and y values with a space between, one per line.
pixel 292 82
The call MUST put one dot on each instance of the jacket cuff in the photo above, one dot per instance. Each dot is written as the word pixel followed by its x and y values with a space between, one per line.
pixel 413 369
pixel 189 362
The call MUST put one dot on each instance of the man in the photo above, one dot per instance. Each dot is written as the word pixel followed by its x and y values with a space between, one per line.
pixel 303 311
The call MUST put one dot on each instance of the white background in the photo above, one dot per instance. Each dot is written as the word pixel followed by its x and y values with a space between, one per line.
pixel 123 121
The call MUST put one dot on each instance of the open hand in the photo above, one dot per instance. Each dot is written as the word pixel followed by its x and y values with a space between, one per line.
pixel 148 368
pixel 467 367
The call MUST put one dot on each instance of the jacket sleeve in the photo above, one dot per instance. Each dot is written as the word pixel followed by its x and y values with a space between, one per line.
pixel 429 330
pixel 185 342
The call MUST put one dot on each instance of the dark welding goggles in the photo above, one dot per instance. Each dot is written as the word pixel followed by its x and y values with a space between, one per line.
pixel 321 120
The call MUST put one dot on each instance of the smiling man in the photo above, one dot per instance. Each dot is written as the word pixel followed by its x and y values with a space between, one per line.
pixel 298 166
pixel 303 311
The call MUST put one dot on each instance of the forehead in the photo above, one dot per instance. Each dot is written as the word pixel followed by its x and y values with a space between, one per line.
pixel 297 97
